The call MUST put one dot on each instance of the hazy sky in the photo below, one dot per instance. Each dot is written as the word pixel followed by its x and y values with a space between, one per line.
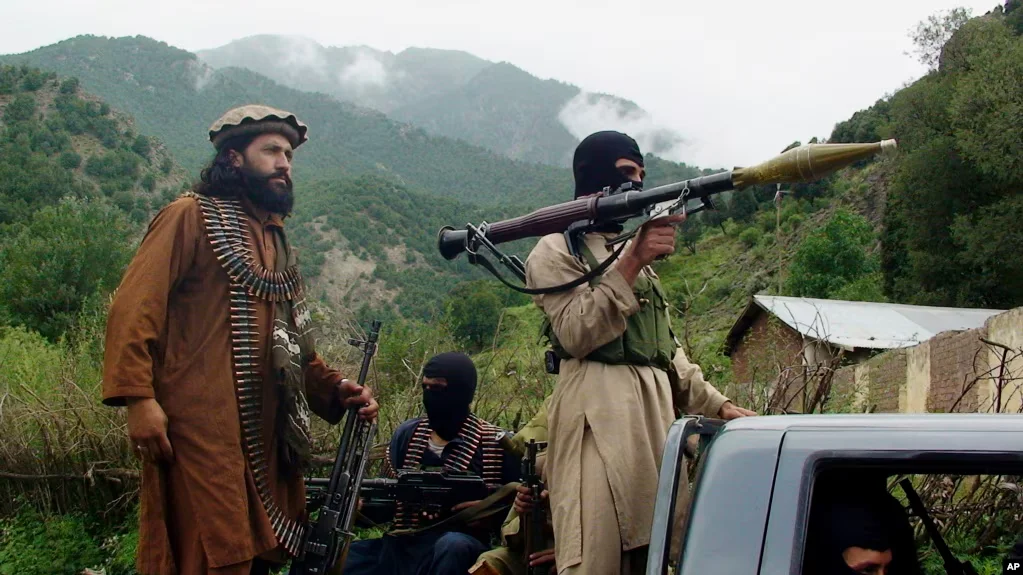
pixel 740 79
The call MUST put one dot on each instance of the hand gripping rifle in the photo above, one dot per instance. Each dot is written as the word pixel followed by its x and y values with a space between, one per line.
pixel 534 525
pixel 806 163
pixel 327 541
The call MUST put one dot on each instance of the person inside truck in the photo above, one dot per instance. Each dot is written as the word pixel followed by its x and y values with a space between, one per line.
pixel 857 526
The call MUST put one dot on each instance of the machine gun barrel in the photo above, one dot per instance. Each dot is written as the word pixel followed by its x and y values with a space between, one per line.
pixel 806 163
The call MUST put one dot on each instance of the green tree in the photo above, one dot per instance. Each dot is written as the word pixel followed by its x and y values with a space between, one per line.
pixel 21 109
pixel 473 311
pixel 986 108
pixel 691 232
pixel 69 86
pixel 70 160
pixel 833 258
pixel 142 146
pixel 61 256
pixel 742 205
pixel 930 35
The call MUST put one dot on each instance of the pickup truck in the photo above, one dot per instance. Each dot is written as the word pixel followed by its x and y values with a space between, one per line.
pixel 755 478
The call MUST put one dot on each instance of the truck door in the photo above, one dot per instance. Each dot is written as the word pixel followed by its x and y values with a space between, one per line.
pixel 804 451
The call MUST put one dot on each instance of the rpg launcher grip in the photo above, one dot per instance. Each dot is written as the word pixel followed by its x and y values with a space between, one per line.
pixel 327 541
pixel 805 163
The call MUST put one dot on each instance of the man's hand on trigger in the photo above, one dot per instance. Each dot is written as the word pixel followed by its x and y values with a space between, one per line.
pixel 355 396
pixel 655 238
pixel 730 411
pixel 147 430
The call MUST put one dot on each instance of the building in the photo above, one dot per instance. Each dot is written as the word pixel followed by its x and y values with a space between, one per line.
pixel 777 335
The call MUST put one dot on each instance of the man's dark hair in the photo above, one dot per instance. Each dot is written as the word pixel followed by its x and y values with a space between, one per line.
pixel 220 178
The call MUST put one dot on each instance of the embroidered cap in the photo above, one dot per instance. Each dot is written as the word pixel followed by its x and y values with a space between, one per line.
pixel 257 119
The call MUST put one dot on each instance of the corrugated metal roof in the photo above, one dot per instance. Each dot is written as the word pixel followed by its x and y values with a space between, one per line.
pixel 856 324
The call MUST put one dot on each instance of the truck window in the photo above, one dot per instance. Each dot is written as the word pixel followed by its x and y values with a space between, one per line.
pixel 862 521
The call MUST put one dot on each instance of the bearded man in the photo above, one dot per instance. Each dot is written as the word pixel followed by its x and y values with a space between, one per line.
pixel 449 438
pixel 623 377
pixel 209 345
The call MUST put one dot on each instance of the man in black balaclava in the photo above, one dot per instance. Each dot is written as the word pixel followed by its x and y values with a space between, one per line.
pixel 449 383
pixel 856 539
pixel 606 159
pixel 857 526
pixel 449 438
pixel 622 377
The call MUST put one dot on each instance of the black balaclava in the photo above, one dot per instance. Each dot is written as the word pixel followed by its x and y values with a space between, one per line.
pixel 854 522
pixel 448 408
pixel 594 162
pixel 594 166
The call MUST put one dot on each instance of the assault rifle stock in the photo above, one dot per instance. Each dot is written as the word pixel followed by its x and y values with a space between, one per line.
pixel 327 541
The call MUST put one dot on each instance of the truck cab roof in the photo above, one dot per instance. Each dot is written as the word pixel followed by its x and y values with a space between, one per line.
pixel 963 422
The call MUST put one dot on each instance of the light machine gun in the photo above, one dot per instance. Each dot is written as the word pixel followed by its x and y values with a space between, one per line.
pixel 328 539
pixel 806 163
pixel 433 492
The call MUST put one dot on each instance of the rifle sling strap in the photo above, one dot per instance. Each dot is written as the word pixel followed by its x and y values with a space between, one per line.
pixel 485 508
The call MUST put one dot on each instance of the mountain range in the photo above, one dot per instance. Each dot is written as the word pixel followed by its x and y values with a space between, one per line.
pixel 495 105
pixel 374 191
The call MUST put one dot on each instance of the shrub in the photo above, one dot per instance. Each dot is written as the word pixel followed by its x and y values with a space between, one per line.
pixel 750 236
pixel 70 160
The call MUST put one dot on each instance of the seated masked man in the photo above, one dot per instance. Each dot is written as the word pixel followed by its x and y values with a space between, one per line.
pixel 450 438
pixel 510 558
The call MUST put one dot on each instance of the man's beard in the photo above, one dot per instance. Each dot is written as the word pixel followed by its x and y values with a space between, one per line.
pixel 271 195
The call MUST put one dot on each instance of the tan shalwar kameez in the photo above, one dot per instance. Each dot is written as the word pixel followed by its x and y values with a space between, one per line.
pixel 168 337
pixel 607 423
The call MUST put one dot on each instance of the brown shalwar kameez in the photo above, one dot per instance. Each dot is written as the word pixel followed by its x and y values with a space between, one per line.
pixel 607 423
pixel 168 337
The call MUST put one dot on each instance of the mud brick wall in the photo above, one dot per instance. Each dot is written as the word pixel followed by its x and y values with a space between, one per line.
pixel 887 377
pixel 845 397
pixel 766 344
pixel 953 355
pixel 942 365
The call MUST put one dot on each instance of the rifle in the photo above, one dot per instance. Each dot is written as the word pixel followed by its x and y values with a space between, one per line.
pixel 434 492
pixel 534 525
pixel 806 163
pixel 327 541
pixel 953 566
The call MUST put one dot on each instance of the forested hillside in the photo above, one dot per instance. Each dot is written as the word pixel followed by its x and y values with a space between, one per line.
pixel 80 176
pixel 175 97
pixel 955 201
pixel 495 105
pixel 77 184
pixel 371 78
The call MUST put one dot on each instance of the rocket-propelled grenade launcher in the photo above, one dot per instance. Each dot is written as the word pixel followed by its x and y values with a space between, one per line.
pixel 807 163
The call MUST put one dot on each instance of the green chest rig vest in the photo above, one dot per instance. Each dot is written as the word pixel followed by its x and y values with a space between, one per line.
pixel 648 339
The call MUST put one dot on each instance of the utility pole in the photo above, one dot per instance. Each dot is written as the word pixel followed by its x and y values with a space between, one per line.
pixel 777 229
